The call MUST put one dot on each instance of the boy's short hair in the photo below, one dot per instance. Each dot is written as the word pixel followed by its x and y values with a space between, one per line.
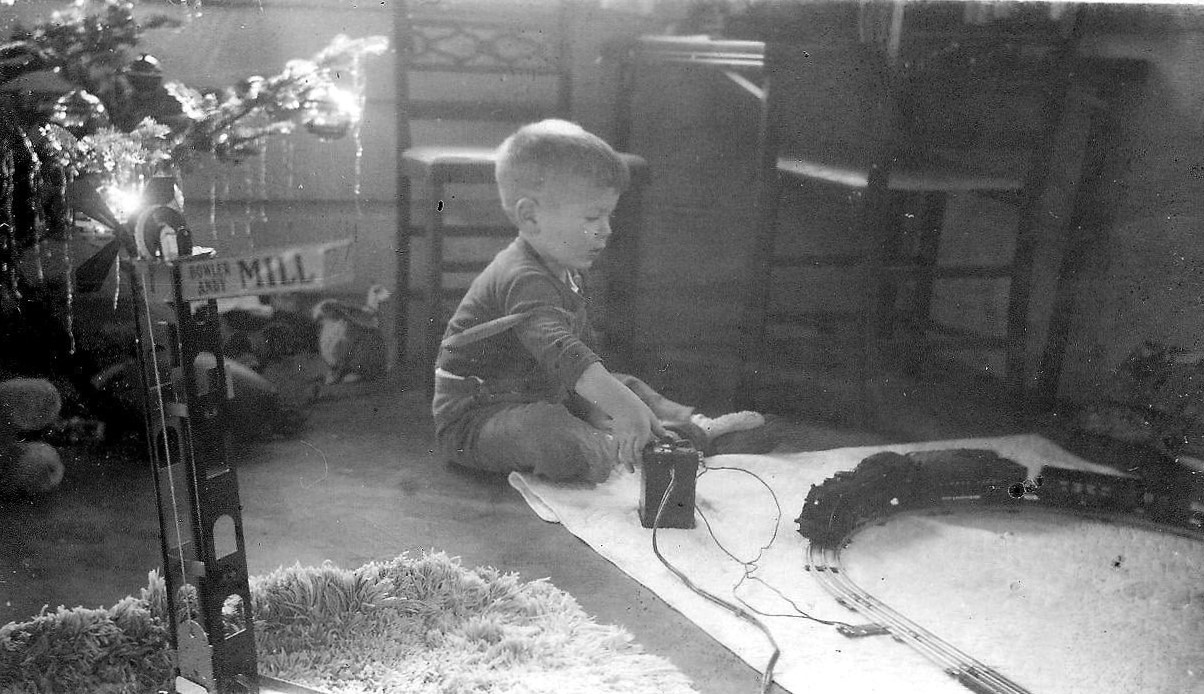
pixel 539 152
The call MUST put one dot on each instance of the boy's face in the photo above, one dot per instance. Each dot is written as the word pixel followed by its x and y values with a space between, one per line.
pixel 568 222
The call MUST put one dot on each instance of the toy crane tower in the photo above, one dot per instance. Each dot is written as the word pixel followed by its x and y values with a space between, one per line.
pixel 186 388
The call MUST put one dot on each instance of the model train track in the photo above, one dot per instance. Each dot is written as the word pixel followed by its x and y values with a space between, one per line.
pixel 823 561
pixel 887 484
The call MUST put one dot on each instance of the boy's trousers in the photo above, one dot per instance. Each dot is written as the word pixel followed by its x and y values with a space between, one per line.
pixel 503 430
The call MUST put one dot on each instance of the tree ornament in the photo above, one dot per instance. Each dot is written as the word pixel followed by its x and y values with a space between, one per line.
pixel 147 97
pixel 145 73
pixel 329 112
pixel 79 112
pixel 19 57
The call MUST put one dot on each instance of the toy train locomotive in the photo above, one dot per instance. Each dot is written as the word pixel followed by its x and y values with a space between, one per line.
pixel 888 483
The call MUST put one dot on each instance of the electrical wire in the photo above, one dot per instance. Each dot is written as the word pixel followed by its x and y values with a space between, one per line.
pixel 750 566
pixel 767 676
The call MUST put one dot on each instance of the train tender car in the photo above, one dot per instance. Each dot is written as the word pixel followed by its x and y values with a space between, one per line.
pixel 967 475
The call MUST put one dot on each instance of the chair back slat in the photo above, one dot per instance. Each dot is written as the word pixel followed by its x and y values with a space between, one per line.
pixel 485 61
pixel 474 46
pixel 474 111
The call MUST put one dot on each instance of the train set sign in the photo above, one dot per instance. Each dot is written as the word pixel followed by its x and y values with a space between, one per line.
pixel 277 271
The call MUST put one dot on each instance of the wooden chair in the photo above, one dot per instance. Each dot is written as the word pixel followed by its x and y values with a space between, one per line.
pixel 470 73
pixel 882 132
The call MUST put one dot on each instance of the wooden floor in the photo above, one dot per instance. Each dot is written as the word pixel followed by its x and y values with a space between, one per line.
pixel 362 482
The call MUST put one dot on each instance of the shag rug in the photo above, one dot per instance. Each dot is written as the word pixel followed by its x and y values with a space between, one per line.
pixel 420 625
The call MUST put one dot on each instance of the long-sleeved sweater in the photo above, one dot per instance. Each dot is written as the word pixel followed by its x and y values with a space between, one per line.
pixel 547 348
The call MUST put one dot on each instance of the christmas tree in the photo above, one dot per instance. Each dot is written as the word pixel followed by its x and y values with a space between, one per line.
pixel 108 115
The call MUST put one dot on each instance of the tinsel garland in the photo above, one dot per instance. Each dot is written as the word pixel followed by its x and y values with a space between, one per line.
pixel 235 123
pixel 32 184
pixel 88 47
pixel 8 226
pixel 86 44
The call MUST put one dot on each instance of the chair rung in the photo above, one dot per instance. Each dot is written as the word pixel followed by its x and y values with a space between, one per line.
pixel 954 335
pixel 486 231
pixel 814 318
pixel 948 271
pixel 946 335
pixel 470 111
pixel 953 271
pixel 818 340
pixel 420 294
pixel 1006 197
pixel 464 265
pixel 983 342
pixel 851 260
pixel 819 260
pixel 465 231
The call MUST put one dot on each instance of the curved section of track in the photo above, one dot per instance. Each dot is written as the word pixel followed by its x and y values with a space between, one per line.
pixel 886 484
pixel 823 562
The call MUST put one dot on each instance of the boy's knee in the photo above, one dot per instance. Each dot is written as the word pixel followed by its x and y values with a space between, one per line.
pixel 557 451
pixel 454 452
pixel 543 438
pixel 546 439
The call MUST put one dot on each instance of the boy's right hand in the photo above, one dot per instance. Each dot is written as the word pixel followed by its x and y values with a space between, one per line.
pixel 631 422
pixel 634 427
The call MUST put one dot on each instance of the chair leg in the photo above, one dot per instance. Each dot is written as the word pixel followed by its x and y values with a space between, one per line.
pixel 891 226
pixel 877 206
pixel 401 286
pixel 620 326
pixel 1090 212
pixel 1019 293
pixel 432 331
pixel 932 220
pixel 753 351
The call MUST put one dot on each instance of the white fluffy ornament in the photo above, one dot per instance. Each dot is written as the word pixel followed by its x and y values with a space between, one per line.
pixel 35 468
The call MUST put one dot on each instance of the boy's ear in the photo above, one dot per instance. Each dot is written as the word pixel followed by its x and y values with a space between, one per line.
pixel 524 215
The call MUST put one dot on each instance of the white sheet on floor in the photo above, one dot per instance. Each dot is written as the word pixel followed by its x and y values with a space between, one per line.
pixel 815 657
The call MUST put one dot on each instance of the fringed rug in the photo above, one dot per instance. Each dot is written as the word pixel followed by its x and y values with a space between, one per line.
pixel 404 625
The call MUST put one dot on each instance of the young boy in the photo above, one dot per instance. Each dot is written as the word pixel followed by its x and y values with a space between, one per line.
pixel 518 385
